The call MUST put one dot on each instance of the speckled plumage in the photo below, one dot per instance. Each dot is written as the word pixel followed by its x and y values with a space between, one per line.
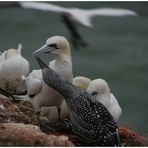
pixel 91 122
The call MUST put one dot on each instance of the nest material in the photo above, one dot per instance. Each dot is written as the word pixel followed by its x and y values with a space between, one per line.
pixel 17 128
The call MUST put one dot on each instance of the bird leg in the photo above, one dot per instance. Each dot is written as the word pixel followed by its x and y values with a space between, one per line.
pixel 43 127
pixel 59 115
pixel 62 125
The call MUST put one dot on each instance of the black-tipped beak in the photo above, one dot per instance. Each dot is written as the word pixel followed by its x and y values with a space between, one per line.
pixel 41 63
pixel 43 49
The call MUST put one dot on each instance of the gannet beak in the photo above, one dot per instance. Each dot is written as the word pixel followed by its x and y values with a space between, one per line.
pixel 43 49
pixel 41 63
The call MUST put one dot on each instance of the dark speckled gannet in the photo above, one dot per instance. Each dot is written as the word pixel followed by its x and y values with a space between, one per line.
pixel 73 16
pixel 90 121
pixel 12 67
pixel 38 91
pixel 100 90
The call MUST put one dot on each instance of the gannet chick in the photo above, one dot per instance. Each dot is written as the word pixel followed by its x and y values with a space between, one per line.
pixel 100 89
pixel 12 67
pixel 73 16
pixel 39 93
pixel 90 121
pixel 81 81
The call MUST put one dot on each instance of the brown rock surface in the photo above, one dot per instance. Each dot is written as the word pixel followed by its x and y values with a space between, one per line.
pixel 17 128
pixel 19 134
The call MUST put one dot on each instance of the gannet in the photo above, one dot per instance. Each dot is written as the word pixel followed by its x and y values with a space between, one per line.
pixel 90 121
pixel 39 93
pixel 81 81
pixel 12 67
pixel 73 16
pixel 100 89
pixel 51 112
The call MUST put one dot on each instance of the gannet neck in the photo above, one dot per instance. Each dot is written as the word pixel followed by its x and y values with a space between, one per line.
pixel 55 81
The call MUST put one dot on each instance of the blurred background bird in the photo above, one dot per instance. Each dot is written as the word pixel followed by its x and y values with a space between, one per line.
pixel 73 16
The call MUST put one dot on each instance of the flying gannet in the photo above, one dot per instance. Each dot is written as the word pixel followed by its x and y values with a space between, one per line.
pixel 12 67
pixel 90 121
pixel 73 16
pixel 100 89
pixel 38 92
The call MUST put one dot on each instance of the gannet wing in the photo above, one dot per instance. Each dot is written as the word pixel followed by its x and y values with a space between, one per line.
pixel 81 127
pixel 34 82
pixel 115 108
pixel 111 12
pixel 43 6
pixel 34 87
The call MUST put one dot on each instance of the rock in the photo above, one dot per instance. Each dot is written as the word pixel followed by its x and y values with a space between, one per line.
pixel 14 112
pixel 19 134
pixel 131 138
pixel 17 128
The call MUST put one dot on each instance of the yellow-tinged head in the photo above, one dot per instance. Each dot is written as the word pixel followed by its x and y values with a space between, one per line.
pixel 81 81
pixel 56 45
pixel 9 53
pixel 98 87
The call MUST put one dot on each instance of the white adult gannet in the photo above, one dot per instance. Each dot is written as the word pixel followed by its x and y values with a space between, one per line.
pixel 39 93
pixel 73 16
pixel 81 81
pixel 12 67
pixel 100 89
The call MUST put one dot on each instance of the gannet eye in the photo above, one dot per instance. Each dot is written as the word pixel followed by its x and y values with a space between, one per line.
pixel 53 46
pixel 94 93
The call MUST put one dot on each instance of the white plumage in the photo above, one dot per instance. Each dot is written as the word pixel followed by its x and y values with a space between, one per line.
pixel 100 89
pixel 81 81
pixel 12 67
pixel 39 93
pixel 76 15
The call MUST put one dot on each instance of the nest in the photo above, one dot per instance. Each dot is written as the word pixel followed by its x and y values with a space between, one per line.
pixel 17 128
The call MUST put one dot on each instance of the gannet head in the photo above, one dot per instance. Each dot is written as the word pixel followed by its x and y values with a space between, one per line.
pixel 9 53
pixel 98 87
pixel 56 45
pixel 81 82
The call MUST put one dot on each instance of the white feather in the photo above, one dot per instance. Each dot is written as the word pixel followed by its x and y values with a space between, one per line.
pixel 76 15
